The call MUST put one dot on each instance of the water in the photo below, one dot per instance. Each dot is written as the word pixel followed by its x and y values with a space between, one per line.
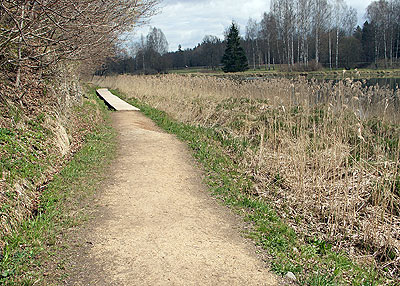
pixel 390 82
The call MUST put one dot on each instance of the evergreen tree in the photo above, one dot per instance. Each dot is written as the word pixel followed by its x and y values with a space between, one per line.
pixel 368 42
pixel 234 59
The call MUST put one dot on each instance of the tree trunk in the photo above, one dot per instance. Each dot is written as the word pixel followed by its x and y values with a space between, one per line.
pixel 330 50
pixel 376 48
pixel 337 47
pixel 278 51
pixel 288 50
pixel 298 49
pixel 391 48
pixel 292 50
pixel 397 52
pixel 258 52
pixel 316 46
pixel 265 61
pixel 269 54
pixel 385 47
pixel 254 56
pixel 269 59
pixel 307 54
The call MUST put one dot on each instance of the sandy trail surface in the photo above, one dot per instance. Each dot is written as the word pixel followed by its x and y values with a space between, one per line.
pixel 158 225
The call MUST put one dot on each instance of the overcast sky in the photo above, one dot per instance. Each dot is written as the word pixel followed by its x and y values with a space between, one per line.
pixel 186 22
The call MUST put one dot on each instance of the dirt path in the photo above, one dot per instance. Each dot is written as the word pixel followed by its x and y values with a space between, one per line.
pixel 158 225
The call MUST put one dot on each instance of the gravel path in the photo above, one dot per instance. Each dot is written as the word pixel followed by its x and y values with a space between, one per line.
pixel 157 223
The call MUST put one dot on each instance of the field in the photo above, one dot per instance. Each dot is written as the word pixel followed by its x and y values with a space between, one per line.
pixel 284 71
pixel 324 155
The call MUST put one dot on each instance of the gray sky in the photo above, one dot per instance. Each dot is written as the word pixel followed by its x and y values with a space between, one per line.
pixel 186 22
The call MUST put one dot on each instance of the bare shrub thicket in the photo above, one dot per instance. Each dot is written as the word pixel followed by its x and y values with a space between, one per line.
pixel 39 33
pixel 45 46
pixel 326 154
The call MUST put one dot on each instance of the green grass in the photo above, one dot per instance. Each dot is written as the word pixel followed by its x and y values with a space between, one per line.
pixel 24 151
pixel 312 261
pixel 278 72
pixel 61 205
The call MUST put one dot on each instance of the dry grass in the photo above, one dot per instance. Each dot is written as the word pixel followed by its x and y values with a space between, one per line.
pixel 327 154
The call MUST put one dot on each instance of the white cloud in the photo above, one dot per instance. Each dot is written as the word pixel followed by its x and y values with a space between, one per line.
pixel 186 22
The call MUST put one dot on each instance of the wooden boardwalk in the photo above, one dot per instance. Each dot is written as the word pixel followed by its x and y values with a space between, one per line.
pixel 114 101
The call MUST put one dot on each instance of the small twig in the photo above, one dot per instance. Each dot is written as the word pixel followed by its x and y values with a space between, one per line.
pixel 2 98
pixel 23 94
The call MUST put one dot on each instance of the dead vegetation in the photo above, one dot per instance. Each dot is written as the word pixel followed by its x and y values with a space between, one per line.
pixel 40 34
pixel 325 154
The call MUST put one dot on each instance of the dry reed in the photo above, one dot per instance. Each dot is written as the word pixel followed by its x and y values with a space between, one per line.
pixel 327 153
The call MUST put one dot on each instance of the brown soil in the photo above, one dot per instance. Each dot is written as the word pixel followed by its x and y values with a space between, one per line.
pixel 157 223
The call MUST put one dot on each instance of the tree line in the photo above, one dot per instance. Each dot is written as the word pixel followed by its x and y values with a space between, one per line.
pixel 295 34
pixel 309 33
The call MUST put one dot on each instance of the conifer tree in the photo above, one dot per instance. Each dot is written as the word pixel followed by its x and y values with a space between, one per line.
pixel 234 59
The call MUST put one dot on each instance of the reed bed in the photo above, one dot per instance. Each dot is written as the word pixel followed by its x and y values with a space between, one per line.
pixel 325 154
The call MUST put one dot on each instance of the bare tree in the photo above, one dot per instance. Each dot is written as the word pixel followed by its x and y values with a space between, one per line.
pixel 396 13
pixel 157 41
pixel 252 31
pixel 339 6
pixel 303 29
pixel 320 9
pixel 283 12
pixel 378 13
pixel 268 32
pixel 350 21
pixel 330 27
pixel 44 32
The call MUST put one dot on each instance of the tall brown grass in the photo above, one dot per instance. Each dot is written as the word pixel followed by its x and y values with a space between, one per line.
pixel 326 154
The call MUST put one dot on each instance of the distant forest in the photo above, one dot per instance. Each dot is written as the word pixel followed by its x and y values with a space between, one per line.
pixel 299 35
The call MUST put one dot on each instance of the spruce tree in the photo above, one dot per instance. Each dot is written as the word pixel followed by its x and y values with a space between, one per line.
pixel 234 59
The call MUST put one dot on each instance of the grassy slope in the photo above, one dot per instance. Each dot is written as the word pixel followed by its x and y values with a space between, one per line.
pixel 18 142
pixel 311 260
pixel 35 241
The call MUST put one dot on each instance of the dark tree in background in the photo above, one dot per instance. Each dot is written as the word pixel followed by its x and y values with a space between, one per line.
pixel 234 59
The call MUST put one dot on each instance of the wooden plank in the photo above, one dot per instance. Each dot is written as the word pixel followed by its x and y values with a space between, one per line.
pixel 114 101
